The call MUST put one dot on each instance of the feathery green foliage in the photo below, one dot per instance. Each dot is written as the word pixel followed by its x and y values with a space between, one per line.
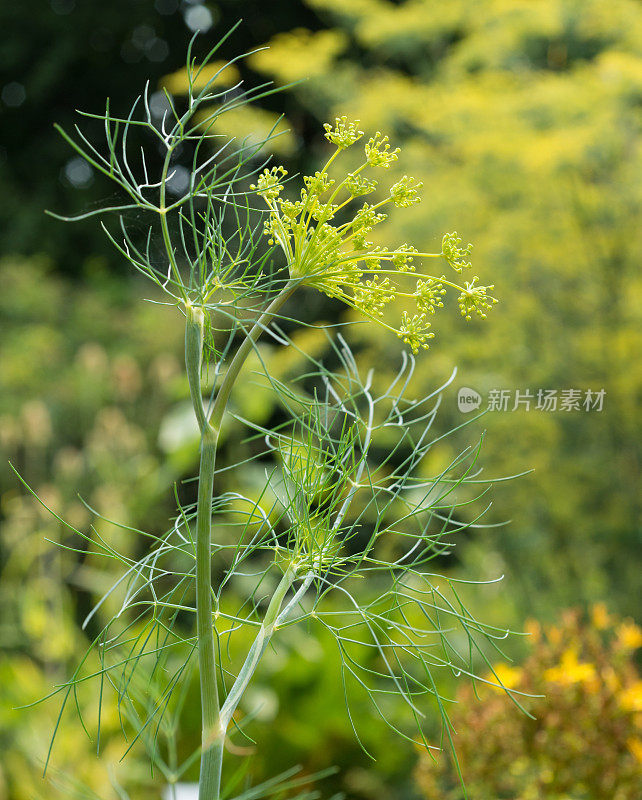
pixel 342 506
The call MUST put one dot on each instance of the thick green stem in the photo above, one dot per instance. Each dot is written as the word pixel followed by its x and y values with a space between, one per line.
pixel 243 352
pixel 210 772
pixel 210 775
pixel 213 731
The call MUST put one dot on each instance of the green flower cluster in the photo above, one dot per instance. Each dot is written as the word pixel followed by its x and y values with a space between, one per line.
pixel 326 239
pixel 406 192
pixel 475 299
pixel 414 331
pixel 454 254
pixel 429 294
pixel 344 132
pixel 378 152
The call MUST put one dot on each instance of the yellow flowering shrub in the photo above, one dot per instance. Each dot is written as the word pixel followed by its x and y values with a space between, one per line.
pixel 583 738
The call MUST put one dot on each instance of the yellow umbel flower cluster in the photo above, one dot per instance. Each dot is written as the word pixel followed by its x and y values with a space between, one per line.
pixel 326 243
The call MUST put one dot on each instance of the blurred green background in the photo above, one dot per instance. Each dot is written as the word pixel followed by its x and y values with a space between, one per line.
pixel 524 121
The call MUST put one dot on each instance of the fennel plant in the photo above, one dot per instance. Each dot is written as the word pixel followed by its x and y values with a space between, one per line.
pixel 343 499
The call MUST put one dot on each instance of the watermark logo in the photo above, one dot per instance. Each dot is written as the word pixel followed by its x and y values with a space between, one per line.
pixel 468 399
pixel 546 400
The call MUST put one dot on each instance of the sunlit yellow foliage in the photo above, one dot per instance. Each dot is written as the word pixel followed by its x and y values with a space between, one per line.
pixel 220 73
pixel 300 54
pixel 246 123
pixel 522 120
pixel 253 125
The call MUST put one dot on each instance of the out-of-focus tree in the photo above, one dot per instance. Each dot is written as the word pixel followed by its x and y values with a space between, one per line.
pixel 523 121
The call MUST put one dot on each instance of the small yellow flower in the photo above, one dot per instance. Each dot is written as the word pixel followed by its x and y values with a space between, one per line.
pixel 629 635
pixel 507 676
pixel 359 186
pixel 631 698
pixel 600 616
pixel 534 630
pixel 570 670
pixel 635 746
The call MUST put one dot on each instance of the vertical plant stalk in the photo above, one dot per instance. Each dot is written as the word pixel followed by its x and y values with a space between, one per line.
pixel 213 726
pixel 209 780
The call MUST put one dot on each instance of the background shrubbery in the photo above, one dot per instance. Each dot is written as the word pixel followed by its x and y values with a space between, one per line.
pixel 583 737
pixel 523 120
